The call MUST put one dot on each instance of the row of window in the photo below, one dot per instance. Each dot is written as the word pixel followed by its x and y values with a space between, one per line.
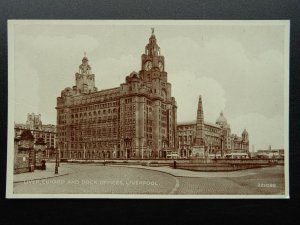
pixel 103 119
pixel 94 107
pixel 94 113
pixel 185 132
pixel 212 130
pixel 128 100
pixel 106 136
pixel 103 130
pixel 94 144
pixel 180 128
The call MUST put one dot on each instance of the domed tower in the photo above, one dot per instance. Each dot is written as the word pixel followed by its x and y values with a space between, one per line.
pixel 225 132
pixel 221 120
pixel 245 135
pixel 85 79
pixel 152 48
pixel 245 141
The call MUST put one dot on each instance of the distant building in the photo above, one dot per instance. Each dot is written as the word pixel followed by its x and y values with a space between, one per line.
pixel 214 139
pixel 34 122
pixel 134 120
pixel 46 132
pixel 269 153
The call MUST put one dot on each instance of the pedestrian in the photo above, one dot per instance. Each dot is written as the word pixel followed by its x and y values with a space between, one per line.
pixel 174 164
pixel 43 164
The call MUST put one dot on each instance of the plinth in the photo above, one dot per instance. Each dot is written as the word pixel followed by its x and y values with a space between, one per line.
pixel 198 152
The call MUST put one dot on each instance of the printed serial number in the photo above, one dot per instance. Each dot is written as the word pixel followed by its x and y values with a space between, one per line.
pixel 266 185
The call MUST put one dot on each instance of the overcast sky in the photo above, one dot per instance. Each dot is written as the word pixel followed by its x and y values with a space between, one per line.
pixel 238 68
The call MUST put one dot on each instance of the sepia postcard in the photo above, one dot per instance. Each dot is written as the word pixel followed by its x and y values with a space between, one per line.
pixel 148 109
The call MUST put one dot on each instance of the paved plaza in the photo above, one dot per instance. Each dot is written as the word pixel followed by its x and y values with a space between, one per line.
pixel 109 179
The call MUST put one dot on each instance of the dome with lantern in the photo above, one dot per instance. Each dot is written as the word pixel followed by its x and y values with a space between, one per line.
pixel 245 132
pixel 221 120
pixel 245 135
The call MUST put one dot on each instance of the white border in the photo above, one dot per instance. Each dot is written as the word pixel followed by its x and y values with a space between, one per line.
pixel 11 97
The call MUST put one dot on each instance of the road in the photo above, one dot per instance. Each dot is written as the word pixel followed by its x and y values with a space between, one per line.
pixel 99 179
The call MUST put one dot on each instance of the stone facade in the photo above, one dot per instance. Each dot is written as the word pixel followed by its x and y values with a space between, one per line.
pixel 135 120
pixel 215 139
pixel 47 132
pixel 39 153
pixel 24 152
pixel 28 152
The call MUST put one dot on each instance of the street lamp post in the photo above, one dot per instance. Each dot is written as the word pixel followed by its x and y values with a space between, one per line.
pixel 56 161
pixel 222 145
pixel 58 156
pixel 215 150
pixel 142 148
pixel 104 158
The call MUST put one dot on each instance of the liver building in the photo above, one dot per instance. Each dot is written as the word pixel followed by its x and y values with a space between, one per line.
pixel 135 120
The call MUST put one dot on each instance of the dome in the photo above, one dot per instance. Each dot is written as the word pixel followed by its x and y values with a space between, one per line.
pixel 245 132
pixel 85 58
pixel 134 74
pixel 221 119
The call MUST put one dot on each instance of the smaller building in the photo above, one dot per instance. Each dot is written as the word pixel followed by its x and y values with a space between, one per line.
pixel 39 130
pixel 269 153
pixel 24 152
pixel 28 153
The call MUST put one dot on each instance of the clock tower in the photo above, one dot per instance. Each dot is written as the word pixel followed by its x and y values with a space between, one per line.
pixel 164 110
pixel 153 63
pixel 85 79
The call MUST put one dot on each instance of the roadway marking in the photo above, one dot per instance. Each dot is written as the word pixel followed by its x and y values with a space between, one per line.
pixel 175 187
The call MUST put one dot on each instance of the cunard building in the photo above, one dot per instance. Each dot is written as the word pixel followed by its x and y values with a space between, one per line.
pixel 135 120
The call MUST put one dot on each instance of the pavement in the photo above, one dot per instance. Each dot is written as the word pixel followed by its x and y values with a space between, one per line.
pixel 62 170
pixel 42 174
pixel 189 173
pixel 135 179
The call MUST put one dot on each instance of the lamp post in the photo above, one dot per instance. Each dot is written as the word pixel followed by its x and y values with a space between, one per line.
pixel 58 156
pixel 222 145
pixel 215 150
pixel 104 158
pixel 142 147
pixel 56 161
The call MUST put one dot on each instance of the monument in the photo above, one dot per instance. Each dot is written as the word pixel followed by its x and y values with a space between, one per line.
pixel 199 140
